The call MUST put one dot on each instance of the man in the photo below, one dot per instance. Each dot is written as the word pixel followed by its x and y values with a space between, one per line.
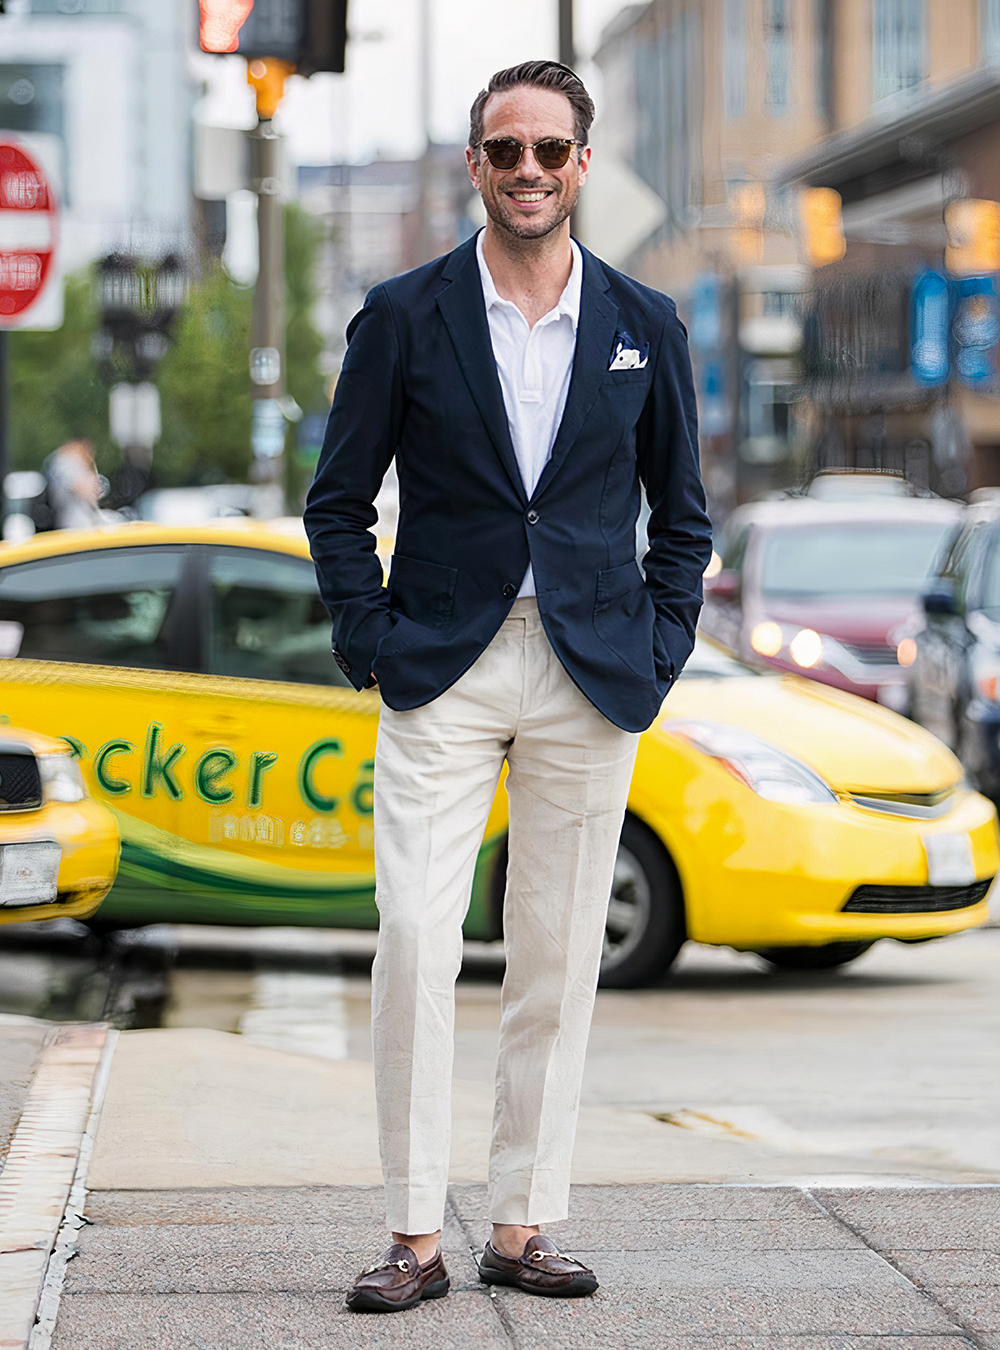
pixel 524 389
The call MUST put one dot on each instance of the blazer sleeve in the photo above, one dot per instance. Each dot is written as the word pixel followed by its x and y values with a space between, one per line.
pixel 362 434
pixel 679 530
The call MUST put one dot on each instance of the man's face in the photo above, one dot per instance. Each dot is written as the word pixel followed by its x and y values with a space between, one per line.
pixel 528 201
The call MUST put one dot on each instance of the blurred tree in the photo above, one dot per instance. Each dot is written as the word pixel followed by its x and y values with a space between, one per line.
pixel 203 380
pixel 56 393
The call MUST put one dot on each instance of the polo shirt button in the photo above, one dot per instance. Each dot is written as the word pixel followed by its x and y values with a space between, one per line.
pixel 532 517
pixel 510 591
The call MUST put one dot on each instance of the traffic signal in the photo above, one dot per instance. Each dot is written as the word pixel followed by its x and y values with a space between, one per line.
pixel 973 227
pixel 310 34
pixel 822 226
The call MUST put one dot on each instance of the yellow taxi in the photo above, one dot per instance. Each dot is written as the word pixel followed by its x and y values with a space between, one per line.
pixel 58 848
pixel 190 669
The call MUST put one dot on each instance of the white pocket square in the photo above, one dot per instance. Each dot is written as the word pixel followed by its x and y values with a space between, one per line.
pixel 629 359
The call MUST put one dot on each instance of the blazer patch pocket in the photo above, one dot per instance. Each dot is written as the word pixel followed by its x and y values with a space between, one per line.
pixel 623 617
pixel 424 592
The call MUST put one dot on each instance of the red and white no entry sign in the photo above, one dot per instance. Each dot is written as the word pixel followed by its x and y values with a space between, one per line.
pixel 27 230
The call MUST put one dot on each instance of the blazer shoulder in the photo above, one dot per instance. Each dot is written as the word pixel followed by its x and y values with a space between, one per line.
pixel 413 287
pixel 632 294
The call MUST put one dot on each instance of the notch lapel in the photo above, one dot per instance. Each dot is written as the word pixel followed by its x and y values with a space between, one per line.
pixel 595 335
pixel 464 311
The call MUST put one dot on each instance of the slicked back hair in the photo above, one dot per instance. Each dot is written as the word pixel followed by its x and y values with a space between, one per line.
pixel 536 75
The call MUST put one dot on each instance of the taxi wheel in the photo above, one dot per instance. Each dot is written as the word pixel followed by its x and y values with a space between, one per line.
pixel 645 927
pixel 828 957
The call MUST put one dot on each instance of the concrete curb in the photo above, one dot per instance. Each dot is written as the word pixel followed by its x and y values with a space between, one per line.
pixel 44 1165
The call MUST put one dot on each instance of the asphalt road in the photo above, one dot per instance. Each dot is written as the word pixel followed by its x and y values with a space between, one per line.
pixel 888 1067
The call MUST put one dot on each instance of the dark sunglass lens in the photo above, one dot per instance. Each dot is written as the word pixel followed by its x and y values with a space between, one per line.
pixel 552 154
pixel 503 154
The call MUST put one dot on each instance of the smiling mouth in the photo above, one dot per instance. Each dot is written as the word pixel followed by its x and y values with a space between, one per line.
pixel 529 196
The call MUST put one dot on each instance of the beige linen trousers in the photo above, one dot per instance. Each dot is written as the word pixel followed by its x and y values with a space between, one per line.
pixel 436 773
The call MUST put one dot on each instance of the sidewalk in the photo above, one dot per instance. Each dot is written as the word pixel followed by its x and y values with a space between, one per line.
pixel 232 1197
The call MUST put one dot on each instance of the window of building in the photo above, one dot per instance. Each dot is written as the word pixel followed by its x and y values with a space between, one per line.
pixel 823 57
pixel 989 31
pixel 735 58
pixel 778 42
pixel 900 46
pixel 667 148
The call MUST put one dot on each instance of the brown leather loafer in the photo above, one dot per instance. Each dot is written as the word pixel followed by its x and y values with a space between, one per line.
pixel 541 1269
pixel 398 1282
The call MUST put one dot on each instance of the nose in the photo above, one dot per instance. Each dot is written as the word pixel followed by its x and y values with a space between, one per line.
pixel 529 166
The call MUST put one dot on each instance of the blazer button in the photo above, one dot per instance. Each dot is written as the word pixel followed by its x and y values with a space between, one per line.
pixel 532 517
pixel 509 591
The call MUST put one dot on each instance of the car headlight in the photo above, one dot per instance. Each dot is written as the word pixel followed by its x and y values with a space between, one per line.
pixel 61 778
pixel 804 646
pixel 762 767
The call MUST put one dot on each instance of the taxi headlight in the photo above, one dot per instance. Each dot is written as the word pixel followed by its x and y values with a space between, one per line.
pixel 61 778
pixel 768 771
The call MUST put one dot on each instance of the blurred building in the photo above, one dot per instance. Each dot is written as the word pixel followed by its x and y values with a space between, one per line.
pixel 381 218
pixel 900 355
pixel 714 115
pixel 109 80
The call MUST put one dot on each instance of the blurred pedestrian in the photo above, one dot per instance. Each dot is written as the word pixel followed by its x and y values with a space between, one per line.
pixel 74 486
pixel 524 389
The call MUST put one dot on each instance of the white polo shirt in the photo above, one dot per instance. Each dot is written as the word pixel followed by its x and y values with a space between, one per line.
pixel 534 365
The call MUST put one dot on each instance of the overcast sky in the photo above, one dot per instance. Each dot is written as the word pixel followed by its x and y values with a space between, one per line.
pixel 374 108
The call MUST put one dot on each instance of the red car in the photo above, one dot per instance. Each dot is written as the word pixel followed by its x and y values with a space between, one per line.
pixel 828 589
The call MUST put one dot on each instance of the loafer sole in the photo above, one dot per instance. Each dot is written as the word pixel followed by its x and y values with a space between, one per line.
pixel 369 1300
pixel 580 1286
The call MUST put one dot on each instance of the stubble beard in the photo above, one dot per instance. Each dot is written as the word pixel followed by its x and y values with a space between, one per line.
pixel 529 227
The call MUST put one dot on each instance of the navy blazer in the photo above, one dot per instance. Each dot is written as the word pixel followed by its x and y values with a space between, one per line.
pixel 419 382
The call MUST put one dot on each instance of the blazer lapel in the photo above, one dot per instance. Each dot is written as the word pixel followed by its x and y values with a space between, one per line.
pixel 595 334
pixel 464 312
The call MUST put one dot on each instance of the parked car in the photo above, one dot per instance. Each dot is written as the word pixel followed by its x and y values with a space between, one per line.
pixel 828 589
pixel 192 670
pixel 58 848
pixel 954 676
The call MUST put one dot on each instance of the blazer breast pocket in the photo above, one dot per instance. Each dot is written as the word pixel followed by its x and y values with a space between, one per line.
pixel 421 591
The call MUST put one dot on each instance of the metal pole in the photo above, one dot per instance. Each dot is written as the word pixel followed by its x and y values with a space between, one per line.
pixel 425 243
pixel 4 416
pixel 267 322
pixel 567 54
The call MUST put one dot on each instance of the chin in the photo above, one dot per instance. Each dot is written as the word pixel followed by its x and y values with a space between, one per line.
pixel 529 227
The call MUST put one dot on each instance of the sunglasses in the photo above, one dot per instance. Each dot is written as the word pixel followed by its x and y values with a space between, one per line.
pixel 505 153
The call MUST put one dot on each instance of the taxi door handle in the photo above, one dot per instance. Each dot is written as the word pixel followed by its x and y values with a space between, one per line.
pixel 217 727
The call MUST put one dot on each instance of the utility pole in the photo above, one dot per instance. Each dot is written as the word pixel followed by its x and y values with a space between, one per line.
pixel 567 54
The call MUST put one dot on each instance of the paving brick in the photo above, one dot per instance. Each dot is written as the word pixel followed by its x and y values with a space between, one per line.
pixel 625 1203
pixel 261 1204
pixel 929 1218
pixel 648 1235
pixel 212 1258
pixel 271 1322
pixel 978 1309
pixel 962 1268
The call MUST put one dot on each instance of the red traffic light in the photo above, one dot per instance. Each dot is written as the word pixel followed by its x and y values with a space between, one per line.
pixel 220 22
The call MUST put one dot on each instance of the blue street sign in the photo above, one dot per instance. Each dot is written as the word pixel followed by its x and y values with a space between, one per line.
pixel 929 337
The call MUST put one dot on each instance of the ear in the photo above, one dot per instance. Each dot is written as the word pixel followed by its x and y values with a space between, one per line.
pixel 472 161
pixel 583 165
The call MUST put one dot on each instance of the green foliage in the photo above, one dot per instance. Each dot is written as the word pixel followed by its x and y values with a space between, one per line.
pixel 204 387
pixel 56 393
pixel 203 380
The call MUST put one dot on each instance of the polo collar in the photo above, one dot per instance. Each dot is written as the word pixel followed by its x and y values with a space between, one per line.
pixel 569 301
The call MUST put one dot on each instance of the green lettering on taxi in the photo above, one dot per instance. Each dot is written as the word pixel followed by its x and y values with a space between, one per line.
pixel 209 772
pixel 260 762
pixel 307 788
pixel 116 786
pixel 158 767
pixel 363 792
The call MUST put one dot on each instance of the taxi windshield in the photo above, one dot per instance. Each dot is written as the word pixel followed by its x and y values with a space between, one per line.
pixel 874 558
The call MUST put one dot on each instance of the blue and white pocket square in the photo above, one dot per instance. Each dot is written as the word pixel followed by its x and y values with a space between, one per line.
pixel 625 355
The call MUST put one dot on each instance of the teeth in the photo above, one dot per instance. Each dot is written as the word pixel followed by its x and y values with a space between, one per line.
pixel 528 196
